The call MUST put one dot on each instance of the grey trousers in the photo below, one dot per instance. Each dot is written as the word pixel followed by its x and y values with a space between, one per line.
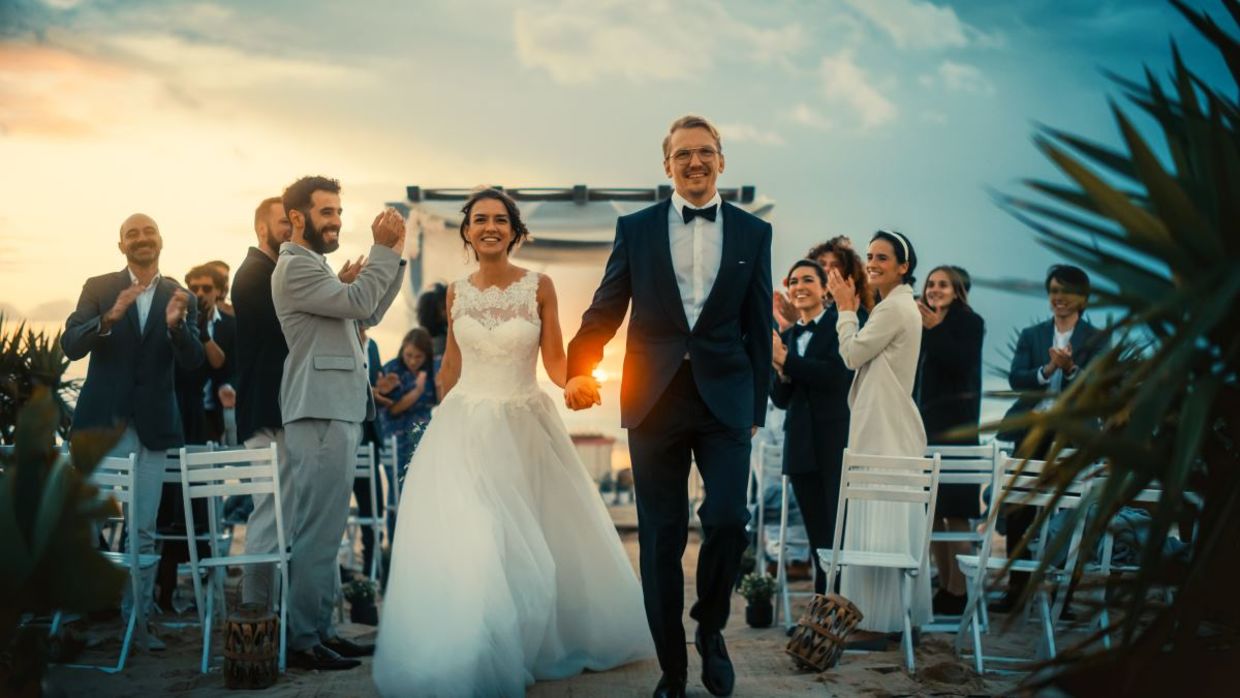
pixel 141 514
pixel 322 453
pixel 258 584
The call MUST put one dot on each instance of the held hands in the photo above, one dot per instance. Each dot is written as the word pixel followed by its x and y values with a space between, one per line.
pixel 388 229
pixel 842 291
pixel 582 393
pixel 350 270
pixel 930 318
pixel 178 306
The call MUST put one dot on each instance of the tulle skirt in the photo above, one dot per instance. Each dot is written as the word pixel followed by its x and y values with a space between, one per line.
pixel 506 567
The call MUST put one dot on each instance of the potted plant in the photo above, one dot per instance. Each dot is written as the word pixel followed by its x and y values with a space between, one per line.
pixel 360 594
pixel 758 588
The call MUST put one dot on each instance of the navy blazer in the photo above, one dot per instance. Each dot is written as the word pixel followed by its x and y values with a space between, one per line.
pixel 191 384
pixel 729 347
pixel 130 378
pixel 260 347
pixel 1032 353
pixel 816 399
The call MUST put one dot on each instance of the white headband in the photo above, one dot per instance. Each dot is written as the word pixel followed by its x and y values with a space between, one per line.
pixel 903 242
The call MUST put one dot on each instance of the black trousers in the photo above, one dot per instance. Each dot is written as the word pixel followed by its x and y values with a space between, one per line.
pixel 818 497
pixel 680 429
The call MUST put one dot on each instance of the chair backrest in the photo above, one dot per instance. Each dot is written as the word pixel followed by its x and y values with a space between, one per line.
pixel 220 474
pixel 966 465
pixel 364 464
pixel 888 479
pixel 116 477
pixel 172 465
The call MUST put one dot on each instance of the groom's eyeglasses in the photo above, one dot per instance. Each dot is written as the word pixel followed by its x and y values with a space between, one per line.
pixel 704 154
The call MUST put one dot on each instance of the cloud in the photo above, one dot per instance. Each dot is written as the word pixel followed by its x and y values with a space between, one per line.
pixel 936 118
pixel 51 311
pixel 958 77
pixel 845 83
pixel 806 115
pixel 746 133
pixel 580 42
pixel 920 24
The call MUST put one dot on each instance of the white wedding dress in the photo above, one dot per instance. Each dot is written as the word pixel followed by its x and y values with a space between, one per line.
pixel 506 567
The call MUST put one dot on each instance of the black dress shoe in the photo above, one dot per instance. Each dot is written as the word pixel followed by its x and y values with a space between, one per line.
pixel 948 604
pixel 670 687
pixel 319 658
pixel 717 674
pixel 349 648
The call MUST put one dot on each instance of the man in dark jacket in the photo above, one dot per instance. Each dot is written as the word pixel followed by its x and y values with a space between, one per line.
pixel 260 352
pixel 136 326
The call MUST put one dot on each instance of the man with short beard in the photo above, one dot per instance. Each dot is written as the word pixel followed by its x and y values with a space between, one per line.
pixel 324 397
pixel 135 325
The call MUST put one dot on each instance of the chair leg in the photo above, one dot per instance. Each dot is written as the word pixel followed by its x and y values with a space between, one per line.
pixel 978 658
pixel 128 641
pixel 1048 624
pixel 283 616
pixel 207 623
pixel 906 593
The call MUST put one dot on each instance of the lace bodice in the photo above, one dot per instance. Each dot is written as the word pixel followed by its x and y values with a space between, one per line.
pixel 498 331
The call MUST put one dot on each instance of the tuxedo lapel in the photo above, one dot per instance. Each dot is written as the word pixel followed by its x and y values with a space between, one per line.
pixel 159 305
pixel 664 272
pixel 131 313
pixel 727 258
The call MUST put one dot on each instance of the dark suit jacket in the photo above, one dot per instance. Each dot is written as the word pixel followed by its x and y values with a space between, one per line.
pixel 816 400
pixel 1031 355
pixel 729 348
pixel 949 375
pixel 191 384
pixel 130 376
pixel 260 348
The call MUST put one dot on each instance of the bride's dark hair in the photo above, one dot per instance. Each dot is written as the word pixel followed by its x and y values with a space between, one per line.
pixel 519 231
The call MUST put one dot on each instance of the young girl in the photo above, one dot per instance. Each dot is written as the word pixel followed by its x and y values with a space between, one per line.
pixel 405 409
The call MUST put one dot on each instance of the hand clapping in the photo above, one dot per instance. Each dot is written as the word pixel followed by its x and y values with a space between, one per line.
pixel 350 270
pixel 930 317
pixel 388 229
pixel 842 291
pixel 779 351
pixel 178 306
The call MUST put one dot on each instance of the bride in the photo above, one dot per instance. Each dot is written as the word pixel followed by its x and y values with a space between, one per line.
pixel 506 567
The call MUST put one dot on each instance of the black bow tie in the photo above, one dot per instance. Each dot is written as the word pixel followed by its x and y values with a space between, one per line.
pixel 708 213
pixel 807 327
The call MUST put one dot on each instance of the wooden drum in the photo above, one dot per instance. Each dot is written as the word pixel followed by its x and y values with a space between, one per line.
pixel 818 640
pixel 251 648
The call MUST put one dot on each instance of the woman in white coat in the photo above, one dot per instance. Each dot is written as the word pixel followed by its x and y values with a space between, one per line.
pixel 884 422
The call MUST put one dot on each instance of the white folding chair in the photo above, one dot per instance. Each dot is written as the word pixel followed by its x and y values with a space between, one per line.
pixel 1019 485
pixel 892 479
pixel 364 468
pixel 115 478
pixel 217 475
pixel 965 465
pixel 1105 569
pixel 781 573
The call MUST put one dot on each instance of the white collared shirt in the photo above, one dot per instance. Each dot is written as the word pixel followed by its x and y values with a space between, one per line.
pixel 144 299
pixel 697 250
pixel 805 337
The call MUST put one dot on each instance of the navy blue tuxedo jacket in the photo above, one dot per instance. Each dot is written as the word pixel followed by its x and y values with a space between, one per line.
pixel 130 379
pixel 730 346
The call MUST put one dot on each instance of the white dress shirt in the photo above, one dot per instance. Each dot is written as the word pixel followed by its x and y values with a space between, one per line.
pixel 804 338
pixel 697 250
pixel 144 299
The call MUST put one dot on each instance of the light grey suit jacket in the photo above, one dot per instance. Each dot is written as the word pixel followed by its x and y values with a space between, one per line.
pixel 325 373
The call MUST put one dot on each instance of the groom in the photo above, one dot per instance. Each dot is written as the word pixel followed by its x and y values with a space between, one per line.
pixel 696 371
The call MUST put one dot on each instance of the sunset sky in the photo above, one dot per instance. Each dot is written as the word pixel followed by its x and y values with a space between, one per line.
pixel 851 114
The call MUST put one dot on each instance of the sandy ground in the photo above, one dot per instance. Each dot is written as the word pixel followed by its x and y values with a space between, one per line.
pixel 762 667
